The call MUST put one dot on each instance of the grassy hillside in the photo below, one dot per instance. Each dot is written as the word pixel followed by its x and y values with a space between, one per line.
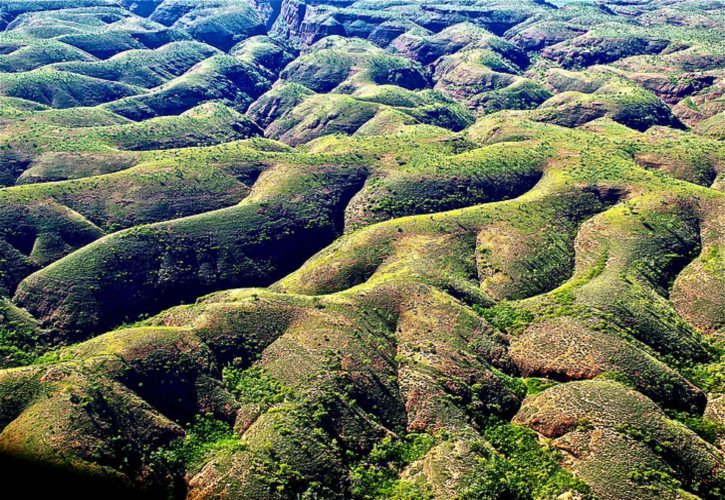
pixel 363 249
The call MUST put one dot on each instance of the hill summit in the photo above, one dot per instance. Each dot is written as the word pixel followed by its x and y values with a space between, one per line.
pixel 367 249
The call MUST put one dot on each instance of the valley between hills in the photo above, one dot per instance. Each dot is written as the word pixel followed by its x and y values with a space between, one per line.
pixel 367 249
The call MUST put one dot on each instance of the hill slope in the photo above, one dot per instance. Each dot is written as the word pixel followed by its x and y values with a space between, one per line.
pixel 363 249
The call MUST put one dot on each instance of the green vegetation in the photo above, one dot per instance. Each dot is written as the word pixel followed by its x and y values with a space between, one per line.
pixel 709 430
pixel 506 316
pixel 512 464
pixel 535 386
pixel 363 249
pixel 376 476
pixel 18 335
pixel 205 438
pixel 254 385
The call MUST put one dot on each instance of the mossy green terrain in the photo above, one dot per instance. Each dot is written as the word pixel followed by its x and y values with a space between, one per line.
pixel 363 249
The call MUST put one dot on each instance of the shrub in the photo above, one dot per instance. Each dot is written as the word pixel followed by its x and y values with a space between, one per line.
pixel 377 476
pixel 205 437
pixel 254 385
pixel 517 468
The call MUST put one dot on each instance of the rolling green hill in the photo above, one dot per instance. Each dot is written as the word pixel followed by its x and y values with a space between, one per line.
pixel 367 249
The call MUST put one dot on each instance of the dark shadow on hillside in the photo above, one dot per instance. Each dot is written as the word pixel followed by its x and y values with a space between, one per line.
pixel 32 480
